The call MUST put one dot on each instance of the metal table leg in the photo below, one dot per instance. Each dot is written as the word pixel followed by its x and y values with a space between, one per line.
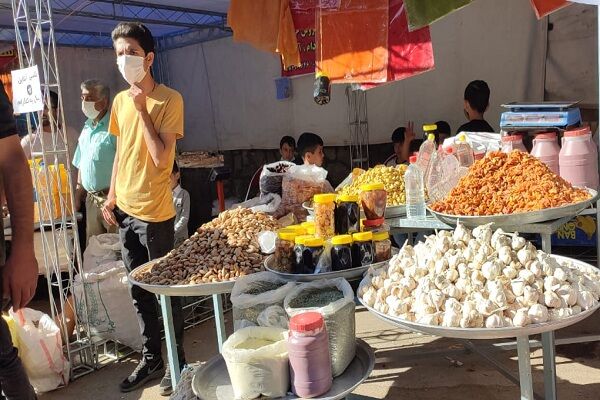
pixel 525 377
pixel 549 366
pixel 546 243
pixel 219 320
pixel 167 314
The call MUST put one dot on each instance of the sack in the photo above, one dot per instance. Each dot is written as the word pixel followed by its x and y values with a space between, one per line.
pixel 338 315
pixel 110 311
pixel 300 184
pixel 268 203
pixel 272 175
pixel 41 350
pixel 101 249
pixel 253 294
pixel 262 371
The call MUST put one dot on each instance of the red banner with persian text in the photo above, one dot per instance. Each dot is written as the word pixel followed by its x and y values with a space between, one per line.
pixel 304 23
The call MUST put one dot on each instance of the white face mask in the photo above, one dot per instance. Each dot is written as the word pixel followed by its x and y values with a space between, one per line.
pixel 132 68
pixel 89 109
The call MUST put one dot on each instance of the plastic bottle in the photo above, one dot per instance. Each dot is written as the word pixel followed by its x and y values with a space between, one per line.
pixel 512 142
pixel 426 151
pixel 578 158
pixel 415 190
pixel 308 350
pixel 464 151
pixel 546 149
pixel 445 173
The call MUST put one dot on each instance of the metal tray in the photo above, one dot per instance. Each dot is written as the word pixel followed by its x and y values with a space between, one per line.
pixel 348 274
pixel 203 289
pixel 531 217
pixel 489 333
pixel 390 212
pixel 211 381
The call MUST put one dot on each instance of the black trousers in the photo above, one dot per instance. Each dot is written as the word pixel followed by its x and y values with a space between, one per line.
pixel 141 242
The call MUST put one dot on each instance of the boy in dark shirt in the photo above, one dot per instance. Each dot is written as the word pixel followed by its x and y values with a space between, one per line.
pixel 477 100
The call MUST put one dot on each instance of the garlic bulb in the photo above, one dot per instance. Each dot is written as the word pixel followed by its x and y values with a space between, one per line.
pixel 521 318
pixel 527 276
pixel 452 275
pixel 398 308
pixel 477 278
pixel 451 318
pixel 441 266
pixel 530 296
pixel 486 307
pixel 474 245
pixel 505 254
pixel 499 298
pixel 409 283
pixel 510 272
pixel 399 291
pixel 560 274
pixel 461 233
pixel 525 255
pixel 453 292
pixel 377 281
pixel 576 309
pixel 494 321
pixel 501 241
pixel 463 271
pixel 536 268
pixel 483 233
pixel 551 283
pixel 436 299
pixel 395 276
pixel 586 300
pixel 471 319
pixel 518 286
pixel 538 314
pixel 441 282
pixel 381 306
pixel 518 242
pixel 430 319
pixel 452 304
pixel 491 269
pixel 568 294
pixel 508 322
pixel 370 296
pixel 551 299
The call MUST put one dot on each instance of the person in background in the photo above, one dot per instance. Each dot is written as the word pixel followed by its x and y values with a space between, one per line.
pixel 442 132
pixel 287 148
pixel 94 156
pixel 146 119
pixel 414 146
pixel 33 143
pixel 20 269
pixel 476 103
pixel 181 201
pixel 310 149
pixel 401 138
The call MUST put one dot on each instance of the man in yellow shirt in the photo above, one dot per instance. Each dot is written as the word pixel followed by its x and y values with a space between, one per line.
pixel 147 119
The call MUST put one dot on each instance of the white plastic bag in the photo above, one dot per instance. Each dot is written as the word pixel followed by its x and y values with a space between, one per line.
pixel 272 175
pixel 101 249
pixel 110 308
pixel 266 289
pixel 268 203
pixel 339 319
pixel 41 350
pixel 257 371
pixel 300 184
pixel 274 317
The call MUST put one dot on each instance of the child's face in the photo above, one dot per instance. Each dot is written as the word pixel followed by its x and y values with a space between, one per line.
pixel 315 157
pixel 174 180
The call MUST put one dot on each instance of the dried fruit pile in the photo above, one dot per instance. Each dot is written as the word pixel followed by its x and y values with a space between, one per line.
pixel 510 183
pixel 391 177
pixel 221 250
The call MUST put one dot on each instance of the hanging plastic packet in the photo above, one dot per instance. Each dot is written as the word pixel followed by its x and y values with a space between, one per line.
pixel 322 91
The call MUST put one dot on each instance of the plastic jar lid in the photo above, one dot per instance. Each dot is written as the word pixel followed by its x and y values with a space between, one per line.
pixel 371 223
pixel 578 132
pixel 430 128
pixel 301 240
pixel 347 198
pixel 341 240
pixel 372 186
pixel 288 235
pixel 462 137
pixel 512 138
pixel 307 224
pixel 307 322
pixel 299 229
pixel 311 229
pixel 314 242
pixel 324 198
pixel 363 237
pixel 379 236
pixel 546 135
pixel 412 159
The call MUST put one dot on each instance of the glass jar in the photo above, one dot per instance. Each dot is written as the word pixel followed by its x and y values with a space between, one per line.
pixel 284 251
pixel 382 246
pixel 313 249
pixel 298 252
pixel 324 215
pixel 362 249
pixel 341 252
pixel 373 198
pixel 347 215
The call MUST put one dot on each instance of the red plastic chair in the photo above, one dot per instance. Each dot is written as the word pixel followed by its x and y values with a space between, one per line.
pixel 254 183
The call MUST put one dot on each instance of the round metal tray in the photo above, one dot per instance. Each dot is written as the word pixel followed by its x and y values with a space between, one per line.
pixel 516 219
pixel 490 333
pixel 203 289
pixel 390 211
pixel 212 382
pixel 348 274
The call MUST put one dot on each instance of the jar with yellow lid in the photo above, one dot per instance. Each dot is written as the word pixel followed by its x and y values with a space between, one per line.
pixel 299 229
pixel 362 249
pixel 313 250
pixel 341 252
pixel 373 199
pixel 347 215
pixel 324 215
pixel 284 250
pixel 382 246
pixel 298 252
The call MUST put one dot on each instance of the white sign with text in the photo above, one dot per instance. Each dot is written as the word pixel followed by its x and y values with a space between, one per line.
pixel 27 93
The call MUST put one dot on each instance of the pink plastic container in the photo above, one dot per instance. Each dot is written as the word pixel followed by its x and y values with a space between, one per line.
pixel 546 149
pixel 308 349
pixel 578 158
pixel 512 142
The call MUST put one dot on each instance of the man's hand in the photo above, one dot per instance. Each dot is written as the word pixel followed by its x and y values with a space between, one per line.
pixel 138 96
pixel 108 210
pixel 20 274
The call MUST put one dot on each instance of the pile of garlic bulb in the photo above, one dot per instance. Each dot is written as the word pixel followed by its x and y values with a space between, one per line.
pixel 479 279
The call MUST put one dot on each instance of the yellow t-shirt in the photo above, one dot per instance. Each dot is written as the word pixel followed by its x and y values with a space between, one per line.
pixel 143 190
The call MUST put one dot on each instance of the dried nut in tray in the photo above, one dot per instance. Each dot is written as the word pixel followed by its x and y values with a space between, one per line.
pixel 221 250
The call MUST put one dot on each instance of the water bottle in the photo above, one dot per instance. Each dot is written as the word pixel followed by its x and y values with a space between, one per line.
pixel 415 192
pixel 443 176
pixel 464 152
pixel 426 151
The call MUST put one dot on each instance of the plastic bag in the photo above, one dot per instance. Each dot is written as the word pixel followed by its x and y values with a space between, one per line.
pixel 183 390
pixel 300 184
pixel 271 177
pixel 252 294
pixel 41 350
pixel 338 315
pixel 110 310
pixel 273 317
pixel 12 328
pixel 324 263
pixel 268 203
pixel 261 371
pixel 101 249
